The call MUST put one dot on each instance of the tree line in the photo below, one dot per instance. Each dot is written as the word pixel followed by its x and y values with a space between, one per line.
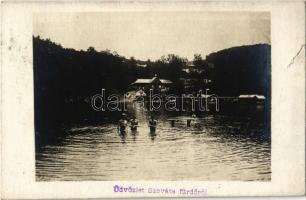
pixel 64 77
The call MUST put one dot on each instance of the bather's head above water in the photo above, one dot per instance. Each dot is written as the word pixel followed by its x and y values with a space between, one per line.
pixel 123 116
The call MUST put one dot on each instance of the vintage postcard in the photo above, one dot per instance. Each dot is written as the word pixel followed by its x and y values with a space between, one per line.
pixel 146 99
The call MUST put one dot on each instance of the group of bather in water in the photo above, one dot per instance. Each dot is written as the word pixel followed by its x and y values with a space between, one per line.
pixel 123 123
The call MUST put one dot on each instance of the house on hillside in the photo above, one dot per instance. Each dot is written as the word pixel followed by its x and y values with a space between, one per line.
pixel 141 65
pixel 155 83
pixel 191 68
pixel 190 84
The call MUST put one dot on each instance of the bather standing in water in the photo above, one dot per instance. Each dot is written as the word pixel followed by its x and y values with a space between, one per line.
pixel 197 124
pixel 189 120
pixel 134 124
pixel 122 123
pixel 152 124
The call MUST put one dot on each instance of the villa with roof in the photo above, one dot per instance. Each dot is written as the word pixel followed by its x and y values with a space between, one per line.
pixel 155 83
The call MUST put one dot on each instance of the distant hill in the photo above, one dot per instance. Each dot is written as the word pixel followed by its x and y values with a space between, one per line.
pixel 65 79
pixel 242 70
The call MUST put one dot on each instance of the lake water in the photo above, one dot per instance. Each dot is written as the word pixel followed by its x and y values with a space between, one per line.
pixel 224 147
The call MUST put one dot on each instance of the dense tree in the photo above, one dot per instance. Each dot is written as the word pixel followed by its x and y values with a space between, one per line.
pixel 242 70
pixel 65 79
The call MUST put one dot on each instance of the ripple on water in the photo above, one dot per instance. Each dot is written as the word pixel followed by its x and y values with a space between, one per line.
pixel 219 150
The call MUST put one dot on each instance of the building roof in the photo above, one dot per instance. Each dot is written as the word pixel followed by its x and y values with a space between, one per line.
pixel 252 96
pixel 165 81
pixel 141 65
pixel 143 80
pixel 190 64
pixel 149 81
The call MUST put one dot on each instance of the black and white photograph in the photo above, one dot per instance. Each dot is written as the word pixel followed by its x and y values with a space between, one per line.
pixel 145 99
pixel 165 96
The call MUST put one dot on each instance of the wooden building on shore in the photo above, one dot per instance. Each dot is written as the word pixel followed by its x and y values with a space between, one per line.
pixel 155 83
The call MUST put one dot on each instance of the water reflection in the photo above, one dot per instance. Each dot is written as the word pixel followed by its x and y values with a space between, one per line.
pixel 122 135
pixel 152 135
pixel 214 147
pixel 134 134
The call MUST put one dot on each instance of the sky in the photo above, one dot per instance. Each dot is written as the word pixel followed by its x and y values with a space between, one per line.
pixel 150 35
